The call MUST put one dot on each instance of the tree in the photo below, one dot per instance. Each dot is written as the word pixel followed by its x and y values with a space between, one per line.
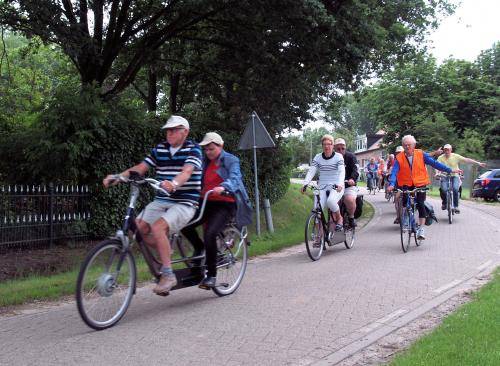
pixel 338 40
pixel 28 78
pixel 471 145
pixel 95 33
pixel 438 104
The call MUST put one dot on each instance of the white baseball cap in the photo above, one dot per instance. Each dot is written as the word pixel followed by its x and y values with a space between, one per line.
pixel 339 141
pixel 176 121
pixel 212 137
pixel 447 146
pixel 399 149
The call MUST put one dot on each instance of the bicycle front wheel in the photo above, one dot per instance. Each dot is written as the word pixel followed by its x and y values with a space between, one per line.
pixel 231 260
pixel 105 285
pixel 315 236
pixel 405 229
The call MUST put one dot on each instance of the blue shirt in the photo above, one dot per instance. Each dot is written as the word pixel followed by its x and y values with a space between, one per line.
pixel 168 166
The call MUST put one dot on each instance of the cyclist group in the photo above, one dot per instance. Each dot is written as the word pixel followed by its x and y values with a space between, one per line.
pixel 185 174
pixel 405 169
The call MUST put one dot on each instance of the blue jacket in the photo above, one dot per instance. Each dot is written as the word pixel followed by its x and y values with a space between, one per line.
pixel 229 171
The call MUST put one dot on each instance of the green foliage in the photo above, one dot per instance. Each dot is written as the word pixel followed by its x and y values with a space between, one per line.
pixel 471 145
pixel 455 102
pixel 80 139
pixel 274 168
pixel 492 139
pixel 465 337
pixel 434 132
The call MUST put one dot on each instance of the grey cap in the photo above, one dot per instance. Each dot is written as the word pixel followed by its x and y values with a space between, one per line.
pixel 212 137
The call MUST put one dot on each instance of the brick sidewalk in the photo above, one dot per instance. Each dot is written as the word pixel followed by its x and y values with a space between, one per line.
pixel 288 311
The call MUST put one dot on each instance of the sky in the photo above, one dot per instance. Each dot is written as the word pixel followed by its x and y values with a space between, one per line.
pixel 474 27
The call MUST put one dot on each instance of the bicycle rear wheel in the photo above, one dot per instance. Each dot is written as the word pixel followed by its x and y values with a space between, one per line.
pixel 405 229
pixel 231 260
pixel 450 206
pixel 105 285
pixel 349 233
pixel 314 236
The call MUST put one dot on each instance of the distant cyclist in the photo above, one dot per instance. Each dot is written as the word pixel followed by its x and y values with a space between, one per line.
pixel 371 174
pixel 381 173
pixel 452 160
pixel 409 172
pixel 331 172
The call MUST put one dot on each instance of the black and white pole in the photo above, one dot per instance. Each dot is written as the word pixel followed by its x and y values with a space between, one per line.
pixel 257 206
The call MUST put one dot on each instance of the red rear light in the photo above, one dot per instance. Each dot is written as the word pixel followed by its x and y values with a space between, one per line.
pixel 485 182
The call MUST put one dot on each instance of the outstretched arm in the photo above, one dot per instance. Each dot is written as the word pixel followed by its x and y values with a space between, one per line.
pixel 472 161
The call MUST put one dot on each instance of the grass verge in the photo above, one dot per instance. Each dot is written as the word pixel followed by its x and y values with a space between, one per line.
pixel 470 336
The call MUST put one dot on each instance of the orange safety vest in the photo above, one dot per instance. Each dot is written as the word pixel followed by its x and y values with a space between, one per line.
pixel 416 175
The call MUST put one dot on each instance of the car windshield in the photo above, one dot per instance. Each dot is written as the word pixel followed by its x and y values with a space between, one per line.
pixel 485 174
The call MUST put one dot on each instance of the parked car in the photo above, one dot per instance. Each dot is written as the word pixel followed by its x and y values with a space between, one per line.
pixel 487 185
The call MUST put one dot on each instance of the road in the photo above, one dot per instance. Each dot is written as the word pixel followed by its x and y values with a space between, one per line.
pixel 288 310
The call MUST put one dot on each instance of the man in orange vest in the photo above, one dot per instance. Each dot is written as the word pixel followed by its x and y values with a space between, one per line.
pixel 409 172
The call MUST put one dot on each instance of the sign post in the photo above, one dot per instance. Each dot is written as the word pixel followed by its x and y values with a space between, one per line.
pixel 255 137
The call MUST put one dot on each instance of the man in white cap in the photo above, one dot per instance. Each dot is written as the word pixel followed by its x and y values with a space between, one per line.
pixel 177 162
pixel 452 160
pixel 351 179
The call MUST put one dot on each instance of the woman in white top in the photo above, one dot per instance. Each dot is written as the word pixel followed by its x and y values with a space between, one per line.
pixel 331 172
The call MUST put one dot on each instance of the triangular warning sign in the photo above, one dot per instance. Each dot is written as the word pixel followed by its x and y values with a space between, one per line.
pixel 255 135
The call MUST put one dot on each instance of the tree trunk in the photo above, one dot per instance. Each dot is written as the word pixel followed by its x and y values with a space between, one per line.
pixel 152 89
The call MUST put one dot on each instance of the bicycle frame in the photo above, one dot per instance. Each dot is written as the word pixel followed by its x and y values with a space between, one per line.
pixel 130 225
pixel 450 202
pixel 407 211
pixel 325 221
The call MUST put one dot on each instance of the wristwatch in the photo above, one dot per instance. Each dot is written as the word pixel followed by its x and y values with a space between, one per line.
pixel 174 184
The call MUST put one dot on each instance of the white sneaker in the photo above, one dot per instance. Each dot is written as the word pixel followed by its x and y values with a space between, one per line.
pixel 420 233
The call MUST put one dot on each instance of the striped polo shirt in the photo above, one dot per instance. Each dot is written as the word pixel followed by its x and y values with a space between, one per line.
pixel 168 166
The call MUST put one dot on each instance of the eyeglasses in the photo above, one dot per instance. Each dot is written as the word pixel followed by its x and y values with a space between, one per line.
pixel 340 148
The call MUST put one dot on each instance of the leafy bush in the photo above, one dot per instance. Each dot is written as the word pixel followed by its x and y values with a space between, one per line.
pixel 80 139
pixel 274 167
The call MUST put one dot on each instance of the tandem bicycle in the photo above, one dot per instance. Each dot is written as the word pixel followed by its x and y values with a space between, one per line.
pixel 319 230
pixel 107 279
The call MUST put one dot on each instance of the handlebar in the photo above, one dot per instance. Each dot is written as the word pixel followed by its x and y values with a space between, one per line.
pixel 140 180
pixel 322 187
pixel 404 190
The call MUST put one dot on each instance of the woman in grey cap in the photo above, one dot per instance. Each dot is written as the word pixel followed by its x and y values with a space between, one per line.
pixel 221 173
